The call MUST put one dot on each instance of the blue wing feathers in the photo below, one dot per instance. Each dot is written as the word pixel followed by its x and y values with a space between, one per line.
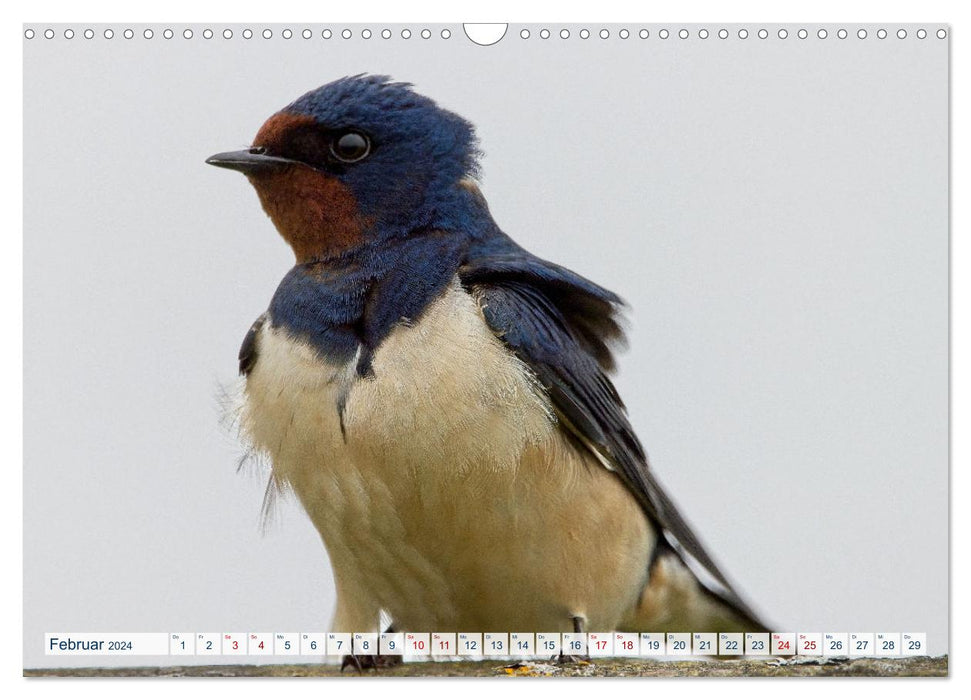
pixel 587 312
pixel 564 328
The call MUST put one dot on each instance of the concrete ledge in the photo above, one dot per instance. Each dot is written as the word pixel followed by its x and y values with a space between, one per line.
pixel 910 666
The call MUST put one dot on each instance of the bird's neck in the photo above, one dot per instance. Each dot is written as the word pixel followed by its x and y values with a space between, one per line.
pixel 351 303
pixel 321 220
pixel 316 214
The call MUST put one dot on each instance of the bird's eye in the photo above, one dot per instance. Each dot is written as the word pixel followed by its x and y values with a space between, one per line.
pixel 350 147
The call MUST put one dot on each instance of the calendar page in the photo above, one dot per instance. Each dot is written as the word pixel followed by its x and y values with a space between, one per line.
pixel 486 350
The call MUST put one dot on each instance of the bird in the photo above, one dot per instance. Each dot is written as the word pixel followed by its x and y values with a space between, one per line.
pixel 439 399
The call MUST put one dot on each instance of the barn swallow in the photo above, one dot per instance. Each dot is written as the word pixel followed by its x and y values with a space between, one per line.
pixel 439 398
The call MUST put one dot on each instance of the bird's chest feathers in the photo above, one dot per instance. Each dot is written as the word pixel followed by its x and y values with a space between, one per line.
pixel 445 399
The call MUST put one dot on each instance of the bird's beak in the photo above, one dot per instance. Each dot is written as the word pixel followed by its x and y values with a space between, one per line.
pixel 248 161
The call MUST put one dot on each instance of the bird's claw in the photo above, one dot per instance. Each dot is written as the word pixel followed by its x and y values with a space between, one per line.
pixel 366 662
pixel 571 659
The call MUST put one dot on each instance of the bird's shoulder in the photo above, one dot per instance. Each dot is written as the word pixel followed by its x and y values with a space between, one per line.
pixel 565 328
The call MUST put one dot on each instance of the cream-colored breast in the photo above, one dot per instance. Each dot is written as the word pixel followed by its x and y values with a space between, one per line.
pixel 450 499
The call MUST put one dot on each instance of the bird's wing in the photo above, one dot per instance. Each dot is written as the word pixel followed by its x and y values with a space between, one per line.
pixel 247 351
pixel 563 326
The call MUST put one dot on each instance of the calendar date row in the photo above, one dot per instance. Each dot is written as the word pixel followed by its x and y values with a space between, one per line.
pixel 418 645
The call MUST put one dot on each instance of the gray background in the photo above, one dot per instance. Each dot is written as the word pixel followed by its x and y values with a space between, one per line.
pixel 775 212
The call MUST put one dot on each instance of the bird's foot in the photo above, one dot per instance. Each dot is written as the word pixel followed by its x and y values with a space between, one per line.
pixel 365 662
pixel 578 624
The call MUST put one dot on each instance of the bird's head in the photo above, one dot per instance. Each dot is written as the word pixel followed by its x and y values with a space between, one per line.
pixel 355 161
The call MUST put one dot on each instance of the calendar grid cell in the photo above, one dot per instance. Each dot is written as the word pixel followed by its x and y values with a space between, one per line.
pixel 339 643
pixel 679 643
pixel 836 644
pixel 444 644
pixel 391 644
pixel 704 643
pixel 731 643
pixel 522 644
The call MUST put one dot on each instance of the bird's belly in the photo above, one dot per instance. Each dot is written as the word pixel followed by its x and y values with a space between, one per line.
pixel 450 498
